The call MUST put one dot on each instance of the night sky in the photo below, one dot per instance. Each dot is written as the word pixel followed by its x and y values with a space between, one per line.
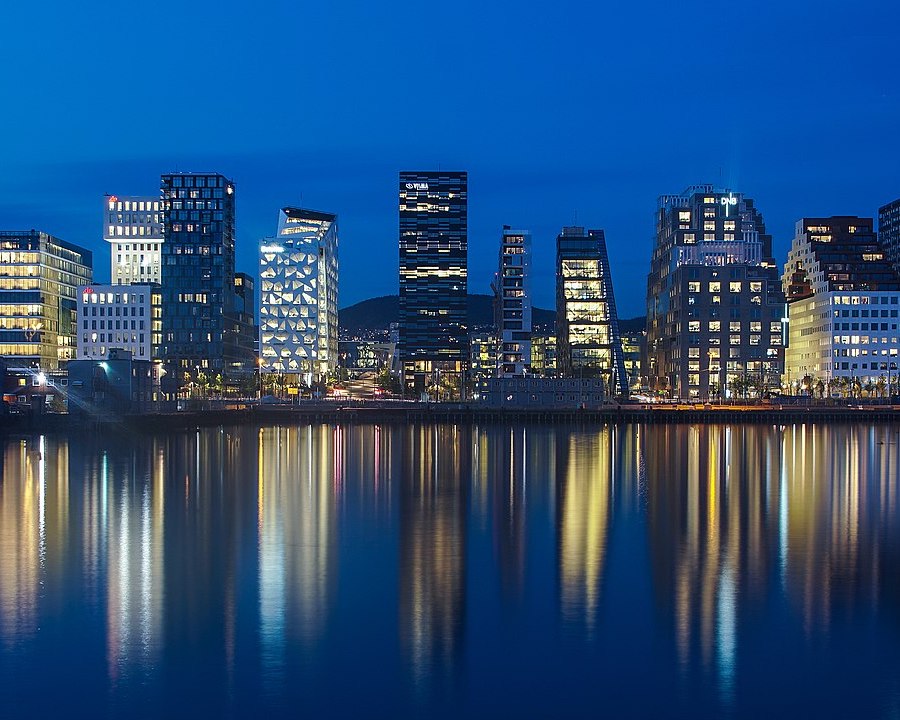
pixel 555 109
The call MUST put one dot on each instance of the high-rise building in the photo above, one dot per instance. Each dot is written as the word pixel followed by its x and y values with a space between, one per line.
pixel 889 231
pixel 714 299
pixel 200 327
pixel 433 339
pixel 587 330
pixel 512 303
pixel 299 297
pixel 119 317
pixel 39 278
pixel 133 228
pixel 842 295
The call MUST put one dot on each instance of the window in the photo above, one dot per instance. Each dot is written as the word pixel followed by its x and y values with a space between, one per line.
pixel 734 287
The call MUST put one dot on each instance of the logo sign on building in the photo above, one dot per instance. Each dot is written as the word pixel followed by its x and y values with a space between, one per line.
pixel 417 186
pixel 728 202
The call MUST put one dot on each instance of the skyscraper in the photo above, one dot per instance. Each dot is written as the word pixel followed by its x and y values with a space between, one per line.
pixel 843 296
pixel 198 275
pixel 714 300
pixel 889 231
pixel 512 303
pixel 433 340
pixel 587 326
pixel 38 298
pixel 134 230
pixel 298 271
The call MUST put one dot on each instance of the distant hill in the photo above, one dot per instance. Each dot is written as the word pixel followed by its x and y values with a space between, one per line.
pixel 378 313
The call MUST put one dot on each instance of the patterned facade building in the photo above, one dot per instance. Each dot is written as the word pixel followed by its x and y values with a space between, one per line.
pixel 299 295
pixel 889 231
pixel 588 343
pixel 39 279
pixel 714 299
pixel 433 339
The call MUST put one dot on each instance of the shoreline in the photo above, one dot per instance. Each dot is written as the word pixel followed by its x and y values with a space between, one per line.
pixel 419 413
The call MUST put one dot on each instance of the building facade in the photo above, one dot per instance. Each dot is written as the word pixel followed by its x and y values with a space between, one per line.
pixel 843 297
pixel 39 279
pixel 512 303
pixel 889 232
pixel 483 360
pixel 714 299
pixel 198 277
pixel 119 317
pixel 587 332
pixel 299 295
pixel 543 355
pixel 133 228
pixel 433 332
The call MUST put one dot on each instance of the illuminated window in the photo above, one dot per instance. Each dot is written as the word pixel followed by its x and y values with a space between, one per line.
pixel 734 287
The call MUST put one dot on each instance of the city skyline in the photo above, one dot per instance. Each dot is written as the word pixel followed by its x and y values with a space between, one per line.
pixel 604 127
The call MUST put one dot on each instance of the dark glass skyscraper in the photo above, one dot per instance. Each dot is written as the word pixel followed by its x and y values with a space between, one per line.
pixel 587 326
pixel 200 327
pixel 889 231
pixel 433 339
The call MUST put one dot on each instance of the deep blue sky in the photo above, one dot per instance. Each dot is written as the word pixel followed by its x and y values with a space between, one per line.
pixel 553 108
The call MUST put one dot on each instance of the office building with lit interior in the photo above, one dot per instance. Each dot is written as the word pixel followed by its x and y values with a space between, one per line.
pixel 714 299
pixel 512 303
pixel 843 295
pixel 119 317
pixel 433 337
pixel 133 228
pixel 39 279
pixel 298 271
pixel 587 333
pixel 889 232
pixel 198 278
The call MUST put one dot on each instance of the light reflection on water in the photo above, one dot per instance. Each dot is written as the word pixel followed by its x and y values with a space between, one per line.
pixel 448 569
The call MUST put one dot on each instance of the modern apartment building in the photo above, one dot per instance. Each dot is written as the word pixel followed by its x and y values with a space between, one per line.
pixel 714 299
pixel 119 317
pixel 512 303
pixel 133 227
pixel 843 299
pixel 299 295
pixel 39 279
pixel 588 343
pixel 433 332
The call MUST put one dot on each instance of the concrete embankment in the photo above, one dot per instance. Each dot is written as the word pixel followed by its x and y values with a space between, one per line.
pixel 395 413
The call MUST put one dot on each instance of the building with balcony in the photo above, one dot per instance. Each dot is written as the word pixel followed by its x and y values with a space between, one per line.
pixel 512 303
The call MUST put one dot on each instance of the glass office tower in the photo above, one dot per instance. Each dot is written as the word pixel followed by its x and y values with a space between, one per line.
pixel 587 329
pixel 433 332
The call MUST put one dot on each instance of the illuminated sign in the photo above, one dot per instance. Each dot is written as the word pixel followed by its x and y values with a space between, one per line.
pixel 272 248
pixel 728 202
pixel 416 186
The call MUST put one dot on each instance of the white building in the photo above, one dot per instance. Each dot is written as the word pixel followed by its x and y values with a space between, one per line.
pixel 843 299
pixel 133 227
pixel 512 303
pixel 298 311
pixel 124 317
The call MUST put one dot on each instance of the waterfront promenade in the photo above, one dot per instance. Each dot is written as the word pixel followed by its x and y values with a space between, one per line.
pixel 399 412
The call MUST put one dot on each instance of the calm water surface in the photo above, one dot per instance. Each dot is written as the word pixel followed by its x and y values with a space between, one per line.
pixel 444 571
